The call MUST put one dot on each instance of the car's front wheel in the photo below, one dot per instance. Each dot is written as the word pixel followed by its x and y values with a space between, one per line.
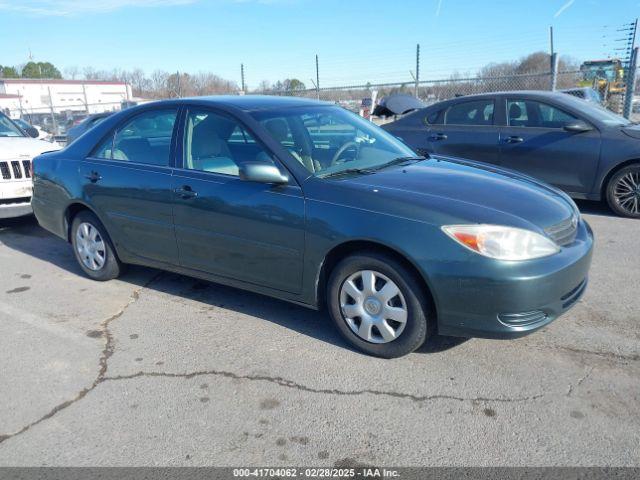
pixel 623 192
pixel 378 305
pixel 93 248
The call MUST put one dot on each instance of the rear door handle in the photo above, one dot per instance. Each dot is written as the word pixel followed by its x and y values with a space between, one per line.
pixel 186 192
pixel 438 136
pixel 93 177
pixel 514 139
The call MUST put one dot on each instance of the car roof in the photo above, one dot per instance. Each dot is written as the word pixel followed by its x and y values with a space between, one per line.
pixel 255 102
pixel 511 93
pixel 556 96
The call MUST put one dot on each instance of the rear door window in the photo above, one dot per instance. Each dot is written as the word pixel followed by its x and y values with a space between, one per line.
pixel 146 139
pixel 477 112
pixel 433 118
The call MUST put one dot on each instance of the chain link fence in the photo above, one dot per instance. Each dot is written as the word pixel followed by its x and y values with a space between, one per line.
pixel 55 120
pixel 431 91
pixel 351 97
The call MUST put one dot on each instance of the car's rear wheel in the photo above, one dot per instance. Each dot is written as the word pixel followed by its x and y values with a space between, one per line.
pixel 93 248
pixel 623 192
pixel 378 305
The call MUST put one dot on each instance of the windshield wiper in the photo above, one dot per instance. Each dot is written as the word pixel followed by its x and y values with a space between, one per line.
pixel 400 160
pixel 348 171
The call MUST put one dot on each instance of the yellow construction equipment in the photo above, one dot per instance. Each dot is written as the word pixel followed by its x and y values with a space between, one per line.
pixel 607 77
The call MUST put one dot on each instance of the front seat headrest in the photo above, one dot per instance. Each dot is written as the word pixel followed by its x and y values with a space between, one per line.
pixel 278 128
pixel 515 111
pixel 206 146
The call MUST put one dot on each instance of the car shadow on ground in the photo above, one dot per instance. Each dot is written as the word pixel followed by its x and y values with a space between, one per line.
pixel 26 236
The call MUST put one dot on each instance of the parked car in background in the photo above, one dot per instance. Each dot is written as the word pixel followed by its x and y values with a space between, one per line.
pixel 85 124
pixel 310 203
pixel 584 149
pixel 17 149
pixel 587 94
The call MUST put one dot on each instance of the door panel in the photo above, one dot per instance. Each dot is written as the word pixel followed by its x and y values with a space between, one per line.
pixel 248 231
pixel 135 202
pixel 242 230
pixel 536 144
pixel 567 160
pixel 472 142
pixel 466 130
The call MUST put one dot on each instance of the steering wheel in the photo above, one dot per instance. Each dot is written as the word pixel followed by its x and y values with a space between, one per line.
pixel 343 149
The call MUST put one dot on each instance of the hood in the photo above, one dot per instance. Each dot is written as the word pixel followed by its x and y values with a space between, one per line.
pixel 460 191
pixel 13 148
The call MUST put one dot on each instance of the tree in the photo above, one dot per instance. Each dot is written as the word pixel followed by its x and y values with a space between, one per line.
pixel 8 72
pixel 264 86
pixel 71 72
pixel 40 70
pixel 294 85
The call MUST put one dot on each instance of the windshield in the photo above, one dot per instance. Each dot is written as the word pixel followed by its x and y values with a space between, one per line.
pixel 8 128
pixel 598 112
pixel 606 116
pixel 604 71
pixel 330 140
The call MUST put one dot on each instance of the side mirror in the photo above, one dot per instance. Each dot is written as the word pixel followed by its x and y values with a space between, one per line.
pixel 262 173
pixel 33 132
pixel 577 127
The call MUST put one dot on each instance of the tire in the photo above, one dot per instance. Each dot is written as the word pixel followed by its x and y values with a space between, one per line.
pixel 623 191
pixel 88 258
pixel 374 305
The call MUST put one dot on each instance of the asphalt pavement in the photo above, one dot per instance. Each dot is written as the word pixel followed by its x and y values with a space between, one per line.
pixel 161 369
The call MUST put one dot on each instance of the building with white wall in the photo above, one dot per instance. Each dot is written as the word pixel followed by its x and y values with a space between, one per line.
pixel 22 96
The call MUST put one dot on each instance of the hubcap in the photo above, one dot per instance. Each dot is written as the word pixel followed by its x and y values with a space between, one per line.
pixel 373 306
pixel 627 192
pixel 90 246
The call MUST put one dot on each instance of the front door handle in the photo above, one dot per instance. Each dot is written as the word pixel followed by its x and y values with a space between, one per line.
pixel 438 136
pixel 514 139
pixel 93 177
pixel 186 192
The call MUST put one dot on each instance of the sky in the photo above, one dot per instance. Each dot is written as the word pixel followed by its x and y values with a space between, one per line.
pixel 357 41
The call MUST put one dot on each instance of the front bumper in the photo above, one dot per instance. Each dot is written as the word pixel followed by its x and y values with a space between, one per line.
pixel 15 198
pixel 18 209
pixel 494 299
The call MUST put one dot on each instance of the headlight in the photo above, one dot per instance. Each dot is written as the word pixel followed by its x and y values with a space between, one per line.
pixel 502 243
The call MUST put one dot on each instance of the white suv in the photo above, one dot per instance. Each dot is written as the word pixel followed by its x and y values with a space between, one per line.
pixel 17 150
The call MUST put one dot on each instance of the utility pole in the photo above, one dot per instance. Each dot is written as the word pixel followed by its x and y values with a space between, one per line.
pixel 317 78
pixel 417 70
pixel 631 83
pixel 84 93
pixel 242 78
pixel 554 71
pixel 54 123
pixel 553 62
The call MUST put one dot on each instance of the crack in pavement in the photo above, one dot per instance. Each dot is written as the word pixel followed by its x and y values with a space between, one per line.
pixel 620 357
pixel 579 382
pixel 102 362
pixel 283 382
pixel 109 350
